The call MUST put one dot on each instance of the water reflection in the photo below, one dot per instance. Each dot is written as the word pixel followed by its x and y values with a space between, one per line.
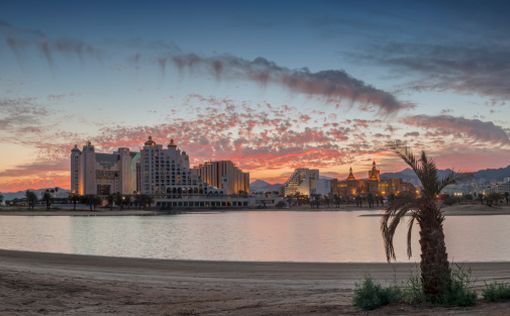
pixel 248 236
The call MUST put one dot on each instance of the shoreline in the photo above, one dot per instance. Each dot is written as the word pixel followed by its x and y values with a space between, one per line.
pixel 32 283
pixel 455 210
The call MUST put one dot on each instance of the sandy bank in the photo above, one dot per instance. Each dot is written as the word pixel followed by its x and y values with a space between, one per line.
pixel 32 283
pixel 66 212
pixel 467 210
pixel 476 209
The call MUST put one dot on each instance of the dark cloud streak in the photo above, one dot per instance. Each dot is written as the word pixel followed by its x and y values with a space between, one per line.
pixel 483 69
pixel 18 39
pixel 333 86
pixel 475 129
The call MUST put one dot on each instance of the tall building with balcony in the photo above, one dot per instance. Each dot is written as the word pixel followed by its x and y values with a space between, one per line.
pixel 101 173
pixel 165 171
pixel 303 181
pixel 224 175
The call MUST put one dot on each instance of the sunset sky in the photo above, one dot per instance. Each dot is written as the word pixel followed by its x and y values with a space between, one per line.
pixel 271 86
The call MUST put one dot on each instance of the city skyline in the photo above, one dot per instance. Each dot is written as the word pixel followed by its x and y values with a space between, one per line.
pixel 272 88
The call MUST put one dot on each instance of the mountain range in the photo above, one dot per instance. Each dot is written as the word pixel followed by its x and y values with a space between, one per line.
pixel 263 186
pixel 59 193
pixel 480 177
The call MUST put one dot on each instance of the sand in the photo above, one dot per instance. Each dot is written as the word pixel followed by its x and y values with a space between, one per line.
pixel 42 283
pixel 476 209
pixel 79 212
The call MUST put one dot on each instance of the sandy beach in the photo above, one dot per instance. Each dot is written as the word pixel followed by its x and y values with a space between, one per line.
pixel 43 283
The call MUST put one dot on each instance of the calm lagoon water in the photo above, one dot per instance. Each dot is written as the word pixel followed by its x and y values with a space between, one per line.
pixel 248 236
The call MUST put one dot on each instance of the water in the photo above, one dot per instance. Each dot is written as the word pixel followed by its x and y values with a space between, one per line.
pixel 248 236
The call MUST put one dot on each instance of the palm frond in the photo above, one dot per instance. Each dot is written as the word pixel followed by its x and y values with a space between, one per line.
pixel 414 216
pixel 390 221
pixel 428 176
pixel 407 155
pixel 453 178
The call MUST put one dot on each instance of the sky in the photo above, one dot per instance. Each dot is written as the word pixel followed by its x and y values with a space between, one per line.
pixel 270 85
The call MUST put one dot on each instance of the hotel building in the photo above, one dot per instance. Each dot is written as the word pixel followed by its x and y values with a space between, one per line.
pixel 352 187
pixel 166 172
pixel 160 171
pixel 225 176
pixel 166 175
pixel 303 181
pixel 103 174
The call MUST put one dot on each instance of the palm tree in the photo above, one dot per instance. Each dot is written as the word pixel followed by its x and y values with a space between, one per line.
pixel 31 199
pixel 91 200
pixel 149 200
pixel 434 266
pixel 119 200
pixel 96 200
pixel 48 199
pixel 110 198
pixel 75 198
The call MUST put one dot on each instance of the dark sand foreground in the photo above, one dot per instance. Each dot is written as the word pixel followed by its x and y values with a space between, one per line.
pixel 42 283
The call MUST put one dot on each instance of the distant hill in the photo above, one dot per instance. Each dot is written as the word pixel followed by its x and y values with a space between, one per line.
pixel 59 193
pixel 492 175
pixel 480 177
pixel 263 186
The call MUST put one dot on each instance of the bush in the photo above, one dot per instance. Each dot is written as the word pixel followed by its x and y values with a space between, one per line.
pixel 460 292
pixel 370 295
pixel 412 292
pixel 281 204
pixel 496 292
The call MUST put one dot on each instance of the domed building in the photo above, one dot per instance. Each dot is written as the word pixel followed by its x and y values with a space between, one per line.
pixel 373 184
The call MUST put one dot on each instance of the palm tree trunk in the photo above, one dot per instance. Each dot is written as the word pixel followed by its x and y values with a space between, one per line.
pixel 435 270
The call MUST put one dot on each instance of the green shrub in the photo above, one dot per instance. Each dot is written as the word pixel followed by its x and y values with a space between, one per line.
pixel 370 295
pixel 412 292
pixel 496 292
pixel 460 292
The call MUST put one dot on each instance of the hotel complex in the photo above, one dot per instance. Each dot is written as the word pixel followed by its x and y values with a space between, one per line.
pixel 164 172
pixel 160 171
pixel 307 182
pixel 373 185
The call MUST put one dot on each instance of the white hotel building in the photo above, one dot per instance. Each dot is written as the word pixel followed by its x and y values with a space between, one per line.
pixel 103 174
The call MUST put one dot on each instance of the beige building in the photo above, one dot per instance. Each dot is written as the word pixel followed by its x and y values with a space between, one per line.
pixel 103 174
pixel 224 175
pixel 165 172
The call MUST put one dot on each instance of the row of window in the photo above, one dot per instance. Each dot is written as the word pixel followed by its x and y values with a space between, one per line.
pixel 202 204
